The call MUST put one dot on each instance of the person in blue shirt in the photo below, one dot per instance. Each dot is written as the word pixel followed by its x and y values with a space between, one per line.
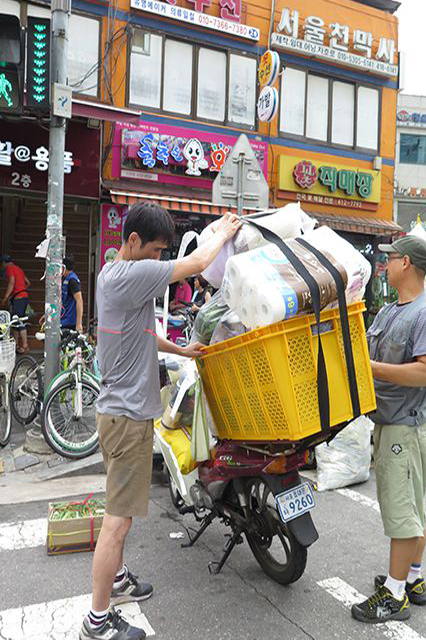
pixel 72 299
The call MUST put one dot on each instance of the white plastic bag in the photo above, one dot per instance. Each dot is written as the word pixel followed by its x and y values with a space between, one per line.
pixel 346 460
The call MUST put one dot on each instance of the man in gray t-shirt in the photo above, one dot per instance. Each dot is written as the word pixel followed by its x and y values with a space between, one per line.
pixel 397 343
pixel 129 399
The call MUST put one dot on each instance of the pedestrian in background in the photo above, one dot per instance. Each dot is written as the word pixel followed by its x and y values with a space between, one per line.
pixel 183 294
pixel 397 342
pixel 16 296
pixel 202 293
pixel 72 298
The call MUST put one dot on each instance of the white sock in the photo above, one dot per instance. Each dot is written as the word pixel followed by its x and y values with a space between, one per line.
pixel 396 587
pixel 121 577
pixel 96 618
pixel 415 573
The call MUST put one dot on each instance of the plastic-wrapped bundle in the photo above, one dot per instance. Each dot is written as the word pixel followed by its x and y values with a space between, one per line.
pixel 208 318
pixel 357 267
pixel 288 222
pixel 229 326
pixel 263 287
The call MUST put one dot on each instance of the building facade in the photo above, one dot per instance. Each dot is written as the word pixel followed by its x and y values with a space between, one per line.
pixel 410 161
pixel 171 84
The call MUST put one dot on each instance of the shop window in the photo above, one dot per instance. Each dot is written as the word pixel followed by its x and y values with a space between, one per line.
pixel 292 113
pixel 177 84
pixel 412 149
pixel 342 131
pixel 191 80
pixel 329 110
pixel 317 108
pixel 367 118
pixel 242 90
pixel 211 85
pixel 145 69
pixel 83 54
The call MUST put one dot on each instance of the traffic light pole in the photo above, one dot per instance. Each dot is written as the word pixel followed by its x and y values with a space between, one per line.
pixel 61 10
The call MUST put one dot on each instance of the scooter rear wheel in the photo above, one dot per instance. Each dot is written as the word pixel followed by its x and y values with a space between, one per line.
pixel 275 548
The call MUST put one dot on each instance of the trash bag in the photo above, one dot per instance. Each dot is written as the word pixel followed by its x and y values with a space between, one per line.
pixel 346 460
pixel 208 318
pixel 180 406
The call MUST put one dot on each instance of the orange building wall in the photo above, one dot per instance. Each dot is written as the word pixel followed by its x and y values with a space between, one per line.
pixel 258 14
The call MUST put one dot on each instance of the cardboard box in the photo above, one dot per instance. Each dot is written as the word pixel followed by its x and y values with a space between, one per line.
pixel 73 535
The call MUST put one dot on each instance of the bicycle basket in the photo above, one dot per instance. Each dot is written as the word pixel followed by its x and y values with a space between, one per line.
pixel 7 355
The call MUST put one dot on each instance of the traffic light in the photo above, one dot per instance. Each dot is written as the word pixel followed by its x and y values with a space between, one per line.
pixel 38 63
pixel 11 68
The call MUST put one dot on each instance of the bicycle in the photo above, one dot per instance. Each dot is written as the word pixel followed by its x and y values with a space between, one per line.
pixel 68 416
pixel 26 382
pixel 7 362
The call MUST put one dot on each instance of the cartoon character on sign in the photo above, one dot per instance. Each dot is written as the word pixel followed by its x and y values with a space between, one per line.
pixel 114 219
pixel 194 153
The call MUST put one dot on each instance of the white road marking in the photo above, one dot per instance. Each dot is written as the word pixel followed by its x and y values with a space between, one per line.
pixel 21 535
pixel 59 619
pixel 358 497
pixel 347 595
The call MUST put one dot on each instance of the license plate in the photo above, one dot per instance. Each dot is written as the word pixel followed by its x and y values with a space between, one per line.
pixel 295 502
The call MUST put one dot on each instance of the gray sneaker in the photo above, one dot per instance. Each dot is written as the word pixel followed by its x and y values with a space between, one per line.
pixel 114 628
pixel 131 590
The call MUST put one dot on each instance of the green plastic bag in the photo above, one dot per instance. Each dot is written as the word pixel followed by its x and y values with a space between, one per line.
pixel 200 449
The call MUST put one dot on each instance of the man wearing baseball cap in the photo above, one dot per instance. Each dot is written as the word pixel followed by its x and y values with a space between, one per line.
pixel 397 343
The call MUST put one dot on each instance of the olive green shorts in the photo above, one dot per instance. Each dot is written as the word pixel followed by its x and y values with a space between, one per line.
pixel 400 463
pixel 126 447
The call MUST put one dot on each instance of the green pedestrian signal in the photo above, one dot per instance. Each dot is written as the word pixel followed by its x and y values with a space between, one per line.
pixel 11 71
pixel 38 63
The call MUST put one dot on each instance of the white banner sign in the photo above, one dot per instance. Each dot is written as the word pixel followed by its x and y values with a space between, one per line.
pixel 196 18
pixel 288 43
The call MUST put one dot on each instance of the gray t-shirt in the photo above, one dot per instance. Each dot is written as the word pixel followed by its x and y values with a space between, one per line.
pixel 398 336
pixel 127 345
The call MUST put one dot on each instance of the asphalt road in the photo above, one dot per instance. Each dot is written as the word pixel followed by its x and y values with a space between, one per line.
pixel 189 603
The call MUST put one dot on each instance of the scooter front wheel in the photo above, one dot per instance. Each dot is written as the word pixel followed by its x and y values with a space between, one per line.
pixel 275 548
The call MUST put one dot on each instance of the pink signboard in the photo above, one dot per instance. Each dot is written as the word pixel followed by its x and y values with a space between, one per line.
pixel 174 155
pixel 112 221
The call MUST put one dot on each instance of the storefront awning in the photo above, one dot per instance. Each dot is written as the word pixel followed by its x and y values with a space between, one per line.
pixel 171 203
pixel 368 226
pixel 100 111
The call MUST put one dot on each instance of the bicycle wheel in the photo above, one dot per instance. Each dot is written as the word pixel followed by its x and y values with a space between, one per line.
pixel 5 417
pixel 69 435
pixel 26 389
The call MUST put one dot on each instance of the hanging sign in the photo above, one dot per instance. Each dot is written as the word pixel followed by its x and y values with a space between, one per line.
pixel 269 68
pixel 267 104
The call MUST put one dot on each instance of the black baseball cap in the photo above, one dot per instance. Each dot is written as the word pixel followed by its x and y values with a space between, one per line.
pixel 411 246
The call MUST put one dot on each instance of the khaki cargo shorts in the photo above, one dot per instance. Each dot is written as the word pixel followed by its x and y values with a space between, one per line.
pixel 126 447
pixel 400 462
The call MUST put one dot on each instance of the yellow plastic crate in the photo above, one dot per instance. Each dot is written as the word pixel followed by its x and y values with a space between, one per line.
pixel 262 385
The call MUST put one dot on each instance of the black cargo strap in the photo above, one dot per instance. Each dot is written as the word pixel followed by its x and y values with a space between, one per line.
pixel 346 334
pixel 322 379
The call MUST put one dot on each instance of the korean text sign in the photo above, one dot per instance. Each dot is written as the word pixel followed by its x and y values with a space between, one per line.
pixel 174 155
pixel 24 158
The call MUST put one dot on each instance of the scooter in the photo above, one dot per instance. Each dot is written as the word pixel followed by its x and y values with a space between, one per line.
pixel 257 492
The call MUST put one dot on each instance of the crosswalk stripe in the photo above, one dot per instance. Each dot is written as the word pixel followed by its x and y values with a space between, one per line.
pixel 59 619
pixel 359 497
pixel 347 595
pixel 24 534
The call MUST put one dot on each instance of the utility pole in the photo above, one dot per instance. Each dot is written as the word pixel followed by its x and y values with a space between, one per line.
pixel 61 10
